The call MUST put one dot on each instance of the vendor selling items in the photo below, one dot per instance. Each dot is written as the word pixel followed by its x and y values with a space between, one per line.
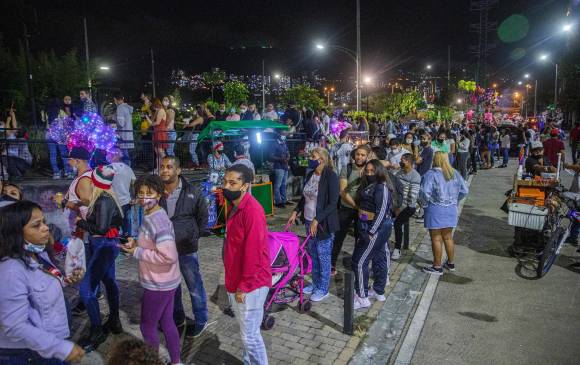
pixel 537 163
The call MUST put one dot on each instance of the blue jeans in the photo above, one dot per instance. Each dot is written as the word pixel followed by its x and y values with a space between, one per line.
pixel 127 220
pixel 25 357
pixel 280 176
pixel 101 267
pixel 320 252
pixel 171 137
pixel 189 266
pixel 574 231
pixel 506 155
pixel 53 150
pixel 193 148
pixel 249 316
pixel 371 248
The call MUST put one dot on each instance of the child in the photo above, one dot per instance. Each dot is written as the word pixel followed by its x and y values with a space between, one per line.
pixel 158 266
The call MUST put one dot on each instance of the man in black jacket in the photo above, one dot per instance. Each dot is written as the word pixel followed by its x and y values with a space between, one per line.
pixel 186 207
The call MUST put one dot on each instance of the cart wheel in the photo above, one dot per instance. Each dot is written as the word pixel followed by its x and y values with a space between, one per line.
pixel 268 322
pixel 305 306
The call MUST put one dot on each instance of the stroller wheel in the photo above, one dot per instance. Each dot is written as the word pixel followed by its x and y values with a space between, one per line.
pixel 268 322
pixel 305 306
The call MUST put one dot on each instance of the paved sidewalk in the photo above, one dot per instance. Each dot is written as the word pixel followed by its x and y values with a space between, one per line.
pixel 313 338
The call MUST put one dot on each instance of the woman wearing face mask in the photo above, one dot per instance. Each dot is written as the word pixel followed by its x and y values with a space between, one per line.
pixel 103 221
pixel 33 313
pixel 411 181
pixel 440 144
pixel 170 125
pixel 218 162
pixel 158 266
pixel 442 188
pixel 319 207
pixel 409 145
pixel 463 154
pixel 374 228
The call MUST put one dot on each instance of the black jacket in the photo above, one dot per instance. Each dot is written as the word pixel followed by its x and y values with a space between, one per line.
pixel 104 216
pixel 326 203
pixel 189 219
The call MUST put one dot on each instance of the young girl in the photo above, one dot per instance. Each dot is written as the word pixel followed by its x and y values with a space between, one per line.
pixel 158 266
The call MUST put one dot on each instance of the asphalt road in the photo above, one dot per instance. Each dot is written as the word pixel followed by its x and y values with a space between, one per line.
pixel 485 313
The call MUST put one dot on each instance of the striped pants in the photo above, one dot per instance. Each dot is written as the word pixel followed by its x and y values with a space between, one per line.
pixel 371 248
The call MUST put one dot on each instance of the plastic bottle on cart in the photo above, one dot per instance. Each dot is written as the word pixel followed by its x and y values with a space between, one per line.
pixel 520 172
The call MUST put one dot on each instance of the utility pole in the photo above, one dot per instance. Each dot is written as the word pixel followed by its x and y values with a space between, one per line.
pixel 448 66
pixel 263 87
pixel 536 99
pixel 29 74
pixel 87 59
pixel 153 72
pixel 358 58
pixel 556 88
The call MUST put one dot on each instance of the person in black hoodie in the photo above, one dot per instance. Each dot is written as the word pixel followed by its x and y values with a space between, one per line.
pixel 319 207
pixel 186 207
pixel 104 218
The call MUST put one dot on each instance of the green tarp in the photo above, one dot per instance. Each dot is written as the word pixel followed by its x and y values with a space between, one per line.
pixel 242 124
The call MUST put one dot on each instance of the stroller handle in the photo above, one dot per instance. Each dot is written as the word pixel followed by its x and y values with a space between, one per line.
pixel 305 240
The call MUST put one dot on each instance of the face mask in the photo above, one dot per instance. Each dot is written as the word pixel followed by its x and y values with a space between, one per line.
pixel 220 150
pixel 425 143
pixel 402 165
pixel 313 164
pixel 409 141
pixel 231 195
pixel 371 178
pixel 148 203
pixel 282 138
pixel 165 104
pixel 396 150
pixel 222 110
pixel 32 248
pixel 243 110
pixel 440 140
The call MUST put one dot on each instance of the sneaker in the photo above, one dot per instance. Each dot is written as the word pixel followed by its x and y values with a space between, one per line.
pixel 318 296
pixel 93 340
pixel 308 289
pixel 378 297
pixel 449 266
pixel 56 176
pixel 396 254
pixel 361 302
pixel 433 270
pixel 195 331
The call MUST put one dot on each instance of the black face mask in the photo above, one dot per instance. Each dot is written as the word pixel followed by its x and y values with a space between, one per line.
pixel 440 140
pixel 371 178
pixel 402 165
pixel 231 195
pixel 424 143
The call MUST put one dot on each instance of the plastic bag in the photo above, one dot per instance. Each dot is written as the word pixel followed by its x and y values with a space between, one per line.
pixel 75 256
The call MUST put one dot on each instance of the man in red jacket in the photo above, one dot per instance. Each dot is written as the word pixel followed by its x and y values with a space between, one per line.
pixel 246 261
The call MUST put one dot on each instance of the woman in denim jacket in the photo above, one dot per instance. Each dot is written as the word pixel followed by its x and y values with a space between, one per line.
pixel 33 316
pixel 442 188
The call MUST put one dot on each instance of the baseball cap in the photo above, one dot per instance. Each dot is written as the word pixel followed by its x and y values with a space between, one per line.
pixel 555 132
pixel 79 153
pixel 537 145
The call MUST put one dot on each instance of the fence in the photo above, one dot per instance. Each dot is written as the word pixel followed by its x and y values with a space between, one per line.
pixel 36 156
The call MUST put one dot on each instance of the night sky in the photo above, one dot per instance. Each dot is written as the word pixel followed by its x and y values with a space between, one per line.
pixel 197 35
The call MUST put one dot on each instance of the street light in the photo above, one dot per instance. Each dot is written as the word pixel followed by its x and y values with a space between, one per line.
pixel 567 27
pixel 368 80
pixel 104 68
pixel 276 76
pixel 527 76
pixel 519 82
pixel 459 101
pixel 494 86
pixel 428 67
pixel 355 57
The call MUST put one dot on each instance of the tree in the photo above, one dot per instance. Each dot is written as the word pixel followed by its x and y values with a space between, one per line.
pixel 235 92
pixel 213 79
pixel 303 96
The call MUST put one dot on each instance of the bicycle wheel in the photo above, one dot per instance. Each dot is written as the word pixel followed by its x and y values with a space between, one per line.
pixel 548 255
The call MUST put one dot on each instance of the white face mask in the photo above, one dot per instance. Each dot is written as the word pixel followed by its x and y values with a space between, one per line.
pixel 243 110
pixel 409 141
pixel 165 104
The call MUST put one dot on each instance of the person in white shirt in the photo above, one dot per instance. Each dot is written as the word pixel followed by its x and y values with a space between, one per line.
pixel 122 185
pixel 395 154
pixel 505 147
pixel 270 113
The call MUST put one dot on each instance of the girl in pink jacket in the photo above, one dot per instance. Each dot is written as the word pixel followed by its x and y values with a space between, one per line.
pixel 158 266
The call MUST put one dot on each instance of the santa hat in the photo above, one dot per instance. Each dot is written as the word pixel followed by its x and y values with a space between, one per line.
pixel 102 177
pixel 217 145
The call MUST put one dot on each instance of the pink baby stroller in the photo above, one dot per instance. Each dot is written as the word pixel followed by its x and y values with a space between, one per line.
pixel 290 263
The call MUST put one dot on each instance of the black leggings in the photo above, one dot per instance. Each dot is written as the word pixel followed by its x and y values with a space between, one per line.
pixel 401 221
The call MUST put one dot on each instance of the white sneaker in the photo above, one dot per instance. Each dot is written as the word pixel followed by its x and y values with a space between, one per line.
pixel 361 302
pixel 308 289
pixel 56 176
pixel 318 296
pixel 396 254
pixel 378 297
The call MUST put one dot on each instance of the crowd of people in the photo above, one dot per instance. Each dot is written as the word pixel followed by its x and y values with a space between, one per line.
pixel 414 170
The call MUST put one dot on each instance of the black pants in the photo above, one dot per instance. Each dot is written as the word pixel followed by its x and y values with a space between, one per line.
pixel 574 151
pixel 346 216
pixel 402 228
pixel 473 158
pixel 17 166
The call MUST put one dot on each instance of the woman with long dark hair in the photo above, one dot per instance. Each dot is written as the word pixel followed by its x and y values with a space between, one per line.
pixel 374 203
pixel 33 314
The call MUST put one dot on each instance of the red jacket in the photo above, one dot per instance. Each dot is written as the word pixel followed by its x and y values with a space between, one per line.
pixel 575 134
pixel 246 252
pixel 552 147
